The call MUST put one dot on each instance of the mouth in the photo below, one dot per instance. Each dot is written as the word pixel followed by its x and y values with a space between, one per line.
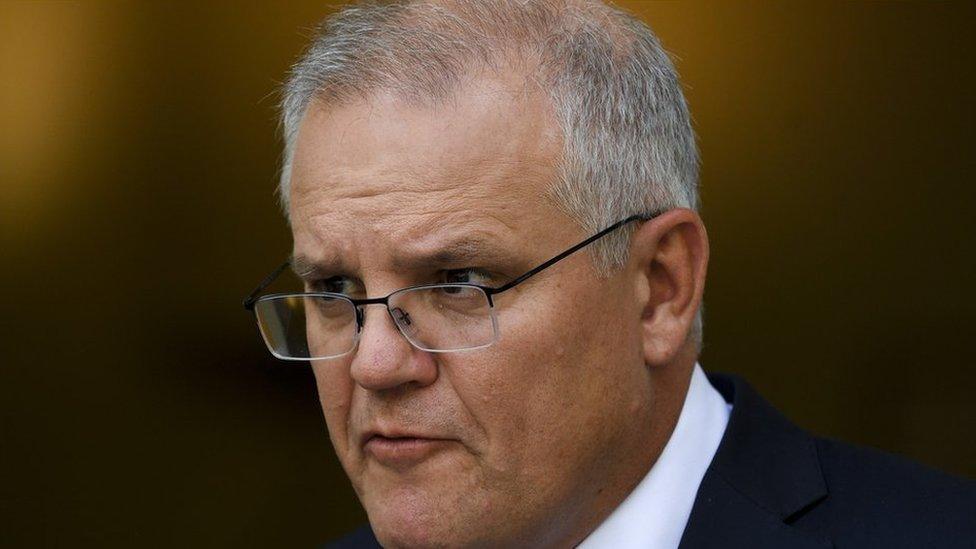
pixel 403 451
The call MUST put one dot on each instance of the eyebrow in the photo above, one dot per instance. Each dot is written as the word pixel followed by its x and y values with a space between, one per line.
pixel 467 251
pixel 306 268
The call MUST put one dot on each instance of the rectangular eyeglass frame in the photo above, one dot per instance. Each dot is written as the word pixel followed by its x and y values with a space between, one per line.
pixel 358 303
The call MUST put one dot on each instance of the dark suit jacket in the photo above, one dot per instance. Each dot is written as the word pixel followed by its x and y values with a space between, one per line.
pixel 773 485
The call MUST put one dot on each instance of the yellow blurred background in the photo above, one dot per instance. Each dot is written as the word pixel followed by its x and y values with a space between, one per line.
pixel 138 159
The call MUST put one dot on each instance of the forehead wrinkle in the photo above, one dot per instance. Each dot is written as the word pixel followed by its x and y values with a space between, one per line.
pixel 491 186
pixel 470 250
pixel 387 206
pixel 411 239
pixel 412 214
pixel 477 179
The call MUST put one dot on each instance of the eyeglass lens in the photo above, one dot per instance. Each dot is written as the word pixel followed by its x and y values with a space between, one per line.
pixel 432 318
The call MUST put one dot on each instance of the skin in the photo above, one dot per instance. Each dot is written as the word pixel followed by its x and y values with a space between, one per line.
pixel 544 433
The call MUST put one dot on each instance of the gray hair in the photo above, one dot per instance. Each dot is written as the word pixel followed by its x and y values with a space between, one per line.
pixel 628 142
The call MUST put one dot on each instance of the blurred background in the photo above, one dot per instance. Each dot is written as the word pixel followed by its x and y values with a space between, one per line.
pixel 138 160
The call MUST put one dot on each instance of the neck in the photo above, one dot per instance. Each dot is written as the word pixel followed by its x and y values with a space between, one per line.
pixel 637 453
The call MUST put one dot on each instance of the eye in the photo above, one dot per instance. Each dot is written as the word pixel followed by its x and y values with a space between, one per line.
pixel 467 276
pixel 457 298
pixel 334 284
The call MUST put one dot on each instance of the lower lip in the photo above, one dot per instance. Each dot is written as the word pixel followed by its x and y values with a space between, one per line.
pixel 403 452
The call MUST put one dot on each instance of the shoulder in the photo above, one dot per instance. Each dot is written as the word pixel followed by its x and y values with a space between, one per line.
pixel 793 487
pixel 881 499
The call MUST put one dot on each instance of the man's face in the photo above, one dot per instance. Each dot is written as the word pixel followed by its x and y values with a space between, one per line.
pixel 508 444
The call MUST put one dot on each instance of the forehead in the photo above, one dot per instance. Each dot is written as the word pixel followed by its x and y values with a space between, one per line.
pixel 388 174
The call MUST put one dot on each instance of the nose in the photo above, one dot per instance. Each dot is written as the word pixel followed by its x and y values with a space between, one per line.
pixel 385 359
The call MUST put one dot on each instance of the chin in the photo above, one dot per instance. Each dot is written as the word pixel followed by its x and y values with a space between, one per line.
pixel 412 516
pixel 397 524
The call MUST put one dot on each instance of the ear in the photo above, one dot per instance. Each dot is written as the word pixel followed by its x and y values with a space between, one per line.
pixel 670 255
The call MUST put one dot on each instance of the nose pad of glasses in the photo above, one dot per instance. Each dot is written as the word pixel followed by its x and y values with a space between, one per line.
pixel 403 321
pixel 401 316
pixel 360 318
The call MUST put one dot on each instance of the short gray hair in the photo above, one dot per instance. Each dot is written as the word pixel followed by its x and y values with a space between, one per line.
pixel 628 142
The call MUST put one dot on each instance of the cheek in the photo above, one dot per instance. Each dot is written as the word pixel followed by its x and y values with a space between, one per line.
pixel 559 369
pixel 335 395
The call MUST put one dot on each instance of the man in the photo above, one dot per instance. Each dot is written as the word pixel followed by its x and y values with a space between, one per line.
pixel 514 182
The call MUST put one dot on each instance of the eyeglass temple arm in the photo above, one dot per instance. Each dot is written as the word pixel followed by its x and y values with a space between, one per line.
pixel 252 297
pixel 583 244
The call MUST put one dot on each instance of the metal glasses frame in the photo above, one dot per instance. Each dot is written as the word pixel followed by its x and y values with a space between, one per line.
pixel 253 297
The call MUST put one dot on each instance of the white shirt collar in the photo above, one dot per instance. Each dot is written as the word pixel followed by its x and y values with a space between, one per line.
pixel 655 514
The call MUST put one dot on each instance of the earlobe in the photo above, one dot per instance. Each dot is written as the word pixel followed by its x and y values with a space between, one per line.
pixel 672 255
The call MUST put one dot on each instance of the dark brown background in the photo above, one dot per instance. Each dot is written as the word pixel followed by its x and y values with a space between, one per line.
pixel 138 157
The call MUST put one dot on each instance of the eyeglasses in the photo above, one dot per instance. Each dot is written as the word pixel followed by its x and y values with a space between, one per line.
pixel 438 318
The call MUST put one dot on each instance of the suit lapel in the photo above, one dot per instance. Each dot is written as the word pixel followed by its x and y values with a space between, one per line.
pixel 765 474
pixel 724 518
